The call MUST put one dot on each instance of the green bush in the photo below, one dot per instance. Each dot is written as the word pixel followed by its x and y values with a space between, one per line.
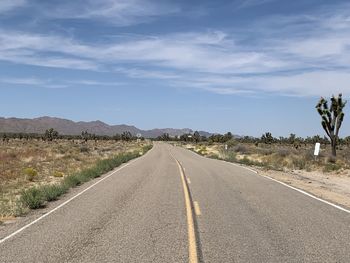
pixel 231 156
pixel 71 181
pixel 33 198
pixel 52 192
pixel 330 167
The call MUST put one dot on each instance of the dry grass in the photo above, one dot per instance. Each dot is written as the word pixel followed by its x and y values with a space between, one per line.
pixel 25 164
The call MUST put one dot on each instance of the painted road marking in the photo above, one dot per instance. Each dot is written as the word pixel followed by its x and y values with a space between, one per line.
pixel 188 180
pixel 192 243
pixel 197 210
pixel 68 201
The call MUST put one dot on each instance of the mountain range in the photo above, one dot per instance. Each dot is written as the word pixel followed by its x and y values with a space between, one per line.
pixel 68 127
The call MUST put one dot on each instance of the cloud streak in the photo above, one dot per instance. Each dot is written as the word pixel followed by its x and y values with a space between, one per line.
pixel 302 55
pixel 9 5
pixel 116 12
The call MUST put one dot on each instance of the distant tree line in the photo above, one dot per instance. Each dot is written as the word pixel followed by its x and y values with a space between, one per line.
pixel 266 138
pixel 52 135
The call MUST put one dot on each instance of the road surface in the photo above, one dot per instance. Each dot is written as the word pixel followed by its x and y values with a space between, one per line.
pixel 172 205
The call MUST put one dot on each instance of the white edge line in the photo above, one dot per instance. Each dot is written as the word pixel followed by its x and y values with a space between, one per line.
pixel 306 193
pixel 68 201
pixel 238 165
pixel 197 209
pixel 289 186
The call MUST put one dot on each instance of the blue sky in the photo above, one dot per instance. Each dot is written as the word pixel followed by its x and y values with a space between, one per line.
pixel 244 66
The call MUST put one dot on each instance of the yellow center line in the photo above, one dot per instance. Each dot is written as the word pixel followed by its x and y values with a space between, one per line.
pixel 192 244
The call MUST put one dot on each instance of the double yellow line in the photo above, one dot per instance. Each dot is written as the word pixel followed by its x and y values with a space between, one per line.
pixel 192 243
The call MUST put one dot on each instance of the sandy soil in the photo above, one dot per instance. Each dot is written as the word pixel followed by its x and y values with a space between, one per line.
pixel 333 187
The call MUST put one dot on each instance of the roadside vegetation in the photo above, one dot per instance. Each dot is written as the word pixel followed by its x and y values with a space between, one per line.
pixel 276 156
pixel 36 169
pixel 283 153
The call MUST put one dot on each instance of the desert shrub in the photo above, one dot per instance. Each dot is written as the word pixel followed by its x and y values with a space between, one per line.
pixel 231 156
pixel 71 181
pixel 298 163
pixel 30 173
pixel 241 149
pixel 84 149
pixel 331 167
pixel 77 158
pixel 33 198
pixel 52 192
pixel 61 149
pixel 308 156
pixel 202 150
pixel 331 159
pixel 12 155
pixel 266 151
pixel 283 152
pixel 245 161
pixel 231 143
pixel 275 161
pixel 58 174
pixel 213 156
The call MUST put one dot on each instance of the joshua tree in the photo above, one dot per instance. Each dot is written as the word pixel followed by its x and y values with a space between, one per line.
pixel 332 118
pixel 267 138
pixel 51 134
pixel 196 136
pixel 85 136
pixel 126 136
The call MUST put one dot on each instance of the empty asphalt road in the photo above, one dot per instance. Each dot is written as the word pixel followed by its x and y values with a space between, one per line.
pixel 172 205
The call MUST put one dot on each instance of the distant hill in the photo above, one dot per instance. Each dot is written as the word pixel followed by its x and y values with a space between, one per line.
pixel 68 127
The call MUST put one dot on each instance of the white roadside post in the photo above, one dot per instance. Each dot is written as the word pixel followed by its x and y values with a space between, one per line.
pixel 139 135
pixel 317 150
pixel 226 147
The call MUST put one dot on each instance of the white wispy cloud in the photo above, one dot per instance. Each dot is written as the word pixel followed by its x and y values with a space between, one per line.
pixel 251 3
pixel 8 5
pixel 94 83
pixel 301 55
pixel 55 83
pixel 117 12
pixel 23 81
